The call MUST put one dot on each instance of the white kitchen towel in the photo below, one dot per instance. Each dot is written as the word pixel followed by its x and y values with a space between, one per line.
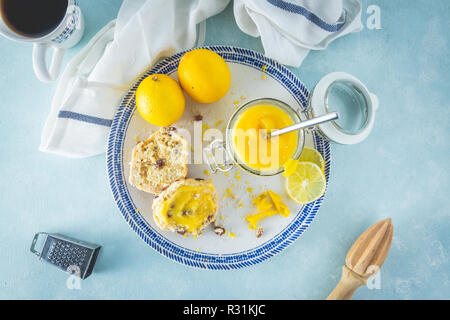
pixel 290 29
pixel 94 81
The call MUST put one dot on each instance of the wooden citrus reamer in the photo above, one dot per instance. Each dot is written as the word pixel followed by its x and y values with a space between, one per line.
pixel 364 259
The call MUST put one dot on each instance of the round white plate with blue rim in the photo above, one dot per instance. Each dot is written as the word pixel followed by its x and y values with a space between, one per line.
pixel 252 76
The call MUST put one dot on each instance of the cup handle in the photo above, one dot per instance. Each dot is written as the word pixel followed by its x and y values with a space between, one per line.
pixel 375 101
pixel 40 67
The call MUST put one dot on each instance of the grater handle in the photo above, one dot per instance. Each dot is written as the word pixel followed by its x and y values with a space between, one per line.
pixel 33 244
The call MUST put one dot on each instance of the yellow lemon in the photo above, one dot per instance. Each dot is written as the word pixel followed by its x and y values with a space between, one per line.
pixel 160 100
pixel 306 184
pixel 204 75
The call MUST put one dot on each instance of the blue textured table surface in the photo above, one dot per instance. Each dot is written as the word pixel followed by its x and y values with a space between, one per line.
pixel 400 171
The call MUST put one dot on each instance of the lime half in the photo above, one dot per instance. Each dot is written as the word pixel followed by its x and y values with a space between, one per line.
pixel 307 183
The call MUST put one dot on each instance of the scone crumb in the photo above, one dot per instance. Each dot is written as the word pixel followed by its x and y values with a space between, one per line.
pixel 220 231
pixel 259 232
pixel 198 117
pixel 169 129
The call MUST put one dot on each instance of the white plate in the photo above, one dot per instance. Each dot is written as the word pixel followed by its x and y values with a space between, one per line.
pixel 209 250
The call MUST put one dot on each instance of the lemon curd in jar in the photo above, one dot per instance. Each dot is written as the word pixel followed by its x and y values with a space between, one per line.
pixel 251 144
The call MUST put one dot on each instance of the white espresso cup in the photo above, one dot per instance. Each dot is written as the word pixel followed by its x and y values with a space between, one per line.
pixel 67 34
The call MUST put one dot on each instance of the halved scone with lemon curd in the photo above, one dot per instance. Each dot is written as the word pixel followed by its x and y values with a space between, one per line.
pixel 186 207
pixel 159 161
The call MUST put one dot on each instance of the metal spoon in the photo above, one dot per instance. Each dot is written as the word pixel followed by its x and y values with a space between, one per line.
pixel 305 124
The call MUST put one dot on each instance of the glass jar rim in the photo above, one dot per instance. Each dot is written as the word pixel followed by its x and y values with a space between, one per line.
pixel 355 88
pixel 317 105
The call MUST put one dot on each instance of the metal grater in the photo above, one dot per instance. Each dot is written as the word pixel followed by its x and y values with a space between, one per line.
pixel 74 256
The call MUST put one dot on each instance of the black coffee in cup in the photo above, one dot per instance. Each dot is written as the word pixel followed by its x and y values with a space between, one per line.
pixel 33 18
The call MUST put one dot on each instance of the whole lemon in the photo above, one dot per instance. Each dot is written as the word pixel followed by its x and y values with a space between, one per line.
pixel 160 100
pixel 204 75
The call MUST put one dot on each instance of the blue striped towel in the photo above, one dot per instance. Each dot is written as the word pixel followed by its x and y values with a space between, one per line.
pixel 289 29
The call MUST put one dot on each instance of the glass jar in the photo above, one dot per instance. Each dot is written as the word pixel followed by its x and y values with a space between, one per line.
pixel 336 92
pixel 230 143
pixel 228 147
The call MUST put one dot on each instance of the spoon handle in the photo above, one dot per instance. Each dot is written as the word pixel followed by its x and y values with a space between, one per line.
pixel 307 123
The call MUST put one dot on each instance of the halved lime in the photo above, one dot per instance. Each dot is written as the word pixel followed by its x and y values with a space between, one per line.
pixel 306 184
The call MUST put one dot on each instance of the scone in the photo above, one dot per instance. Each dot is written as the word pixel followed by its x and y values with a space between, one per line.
pixel 159 161
pixel 186 207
